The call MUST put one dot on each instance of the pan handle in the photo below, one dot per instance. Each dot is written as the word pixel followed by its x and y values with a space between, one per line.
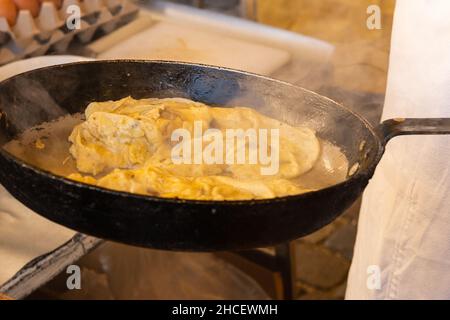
pixel 400 126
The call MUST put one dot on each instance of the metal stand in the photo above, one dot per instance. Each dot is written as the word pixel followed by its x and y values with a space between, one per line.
pixel 281 261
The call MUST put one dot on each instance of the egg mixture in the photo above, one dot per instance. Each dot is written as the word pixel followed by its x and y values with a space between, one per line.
pixel 127 145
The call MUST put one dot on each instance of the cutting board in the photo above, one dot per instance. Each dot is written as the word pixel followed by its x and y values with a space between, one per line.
pixel 169 41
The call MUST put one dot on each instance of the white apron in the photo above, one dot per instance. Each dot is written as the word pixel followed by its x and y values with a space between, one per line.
pixel 404 226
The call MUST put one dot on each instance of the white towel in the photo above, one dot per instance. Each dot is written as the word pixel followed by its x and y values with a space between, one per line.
pixel 24 235
pixel 404 226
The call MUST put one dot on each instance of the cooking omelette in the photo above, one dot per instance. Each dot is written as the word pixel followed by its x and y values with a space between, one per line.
pixel 127 145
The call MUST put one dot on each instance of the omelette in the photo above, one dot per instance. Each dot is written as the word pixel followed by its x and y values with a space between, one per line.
pixel 127 145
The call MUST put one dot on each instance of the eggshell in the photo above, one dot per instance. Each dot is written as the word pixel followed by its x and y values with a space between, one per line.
pixel 9 11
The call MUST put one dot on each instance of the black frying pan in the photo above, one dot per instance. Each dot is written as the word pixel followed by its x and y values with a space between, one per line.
pixel 181 224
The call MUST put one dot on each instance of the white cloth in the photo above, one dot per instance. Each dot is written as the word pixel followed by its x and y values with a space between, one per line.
pixel 24 235
pixel 404 226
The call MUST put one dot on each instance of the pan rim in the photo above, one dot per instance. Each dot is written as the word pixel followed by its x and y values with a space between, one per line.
pixel 61 179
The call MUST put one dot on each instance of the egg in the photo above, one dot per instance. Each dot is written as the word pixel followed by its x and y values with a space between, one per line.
pixel 9 11
pixel 127 145
pixel 57 3
pixel 31 5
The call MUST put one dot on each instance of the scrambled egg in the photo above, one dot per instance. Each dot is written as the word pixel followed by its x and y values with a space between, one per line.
pixel 126 145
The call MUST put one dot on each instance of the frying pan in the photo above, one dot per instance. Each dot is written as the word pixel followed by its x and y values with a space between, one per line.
pixel 176 224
